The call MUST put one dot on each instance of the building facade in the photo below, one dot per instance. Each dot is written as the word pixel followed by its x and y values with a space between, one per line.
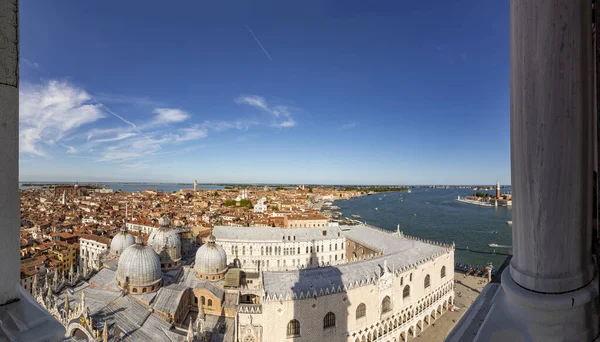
pixel 392 295
pixel 276 249
pixel 91 249
pixel 393 288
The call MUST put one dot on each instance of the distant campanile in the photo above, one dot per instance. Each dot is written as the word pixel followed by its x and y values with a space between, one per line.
pixel 195 185
pixel 497 189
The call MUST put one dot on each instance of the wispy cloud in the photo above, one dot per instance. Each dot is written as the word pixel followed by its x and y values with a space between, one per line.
pixel 125 99
pixel 70 149
pixel 219 126
pixel 31 64
pixel 57 117
pixel 120 136
pixel 169 115
pixel 281 114
pixel 50 111
pixel 258 41
pixel 135 127
pixel 191 133
pixel 350 125
pixel 136 165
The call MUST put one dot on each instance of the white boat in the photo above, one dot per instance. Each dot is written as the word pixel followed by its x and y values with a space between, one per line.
pixel 493 245
pixel 409 191
pixel 509 223
pixel 376 209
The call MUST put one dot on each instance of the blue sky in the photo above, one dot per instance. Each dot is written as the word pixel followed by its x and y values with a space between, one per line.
pixel 346 92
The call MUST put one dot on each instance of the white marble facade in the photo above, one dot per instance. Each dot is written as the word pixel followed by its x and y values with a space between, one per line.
pixel 389 297
pixel 282 249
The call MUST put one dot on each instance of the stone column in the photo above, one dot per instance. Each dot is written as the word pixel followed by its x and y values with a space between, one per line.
pixel 551 126
pixel 9 151
pixel 550 290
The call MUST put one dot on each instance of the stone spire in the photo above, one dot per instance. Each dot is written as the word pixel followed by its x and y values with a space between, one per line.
pixel 190 333
pixel 55 276
pixel 105 332
pixel 201 313
pixel 66 306
pixel 82 303
pixel 34 286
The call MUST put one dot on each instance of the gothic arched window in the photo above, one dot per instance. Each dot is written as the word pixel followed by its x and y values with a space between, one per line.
pixel 386 304
pixel 406 291
pixel 361 310
pixel 329 320
pixel 293 328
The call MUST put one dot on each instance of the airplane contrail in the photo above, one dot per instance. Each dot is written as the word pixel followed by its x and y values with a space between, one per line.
pixel 258 41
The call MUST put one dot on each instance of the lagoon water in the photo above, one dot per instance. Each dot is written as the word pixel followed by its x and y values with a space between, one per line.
pixel 434 214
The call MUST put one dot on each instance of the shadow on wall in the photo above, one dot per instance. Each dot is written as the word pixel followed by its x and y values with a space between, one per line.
pixel 320 311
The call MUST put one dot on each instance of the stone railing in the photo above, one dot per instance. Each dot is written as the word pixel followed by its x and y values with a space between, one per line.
pixel 401 327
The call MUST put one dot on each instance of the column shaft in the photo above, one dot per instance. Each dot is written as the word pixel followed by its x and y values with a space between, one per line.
pixel 552 120
pixel 9 151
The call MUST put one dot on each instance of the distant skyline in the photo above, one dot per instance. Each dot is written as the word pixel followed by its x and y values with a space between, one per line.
pixel 265 92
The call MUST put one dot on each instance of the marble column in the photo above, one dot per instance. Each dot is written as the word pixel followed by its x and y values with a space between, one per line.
pixel 550 290
pixel 551 126
pixel 9 152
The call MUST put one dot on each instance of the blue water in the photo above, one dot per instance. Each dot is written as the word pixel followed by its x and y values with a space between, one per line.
pixel 133 187
pixel 439 217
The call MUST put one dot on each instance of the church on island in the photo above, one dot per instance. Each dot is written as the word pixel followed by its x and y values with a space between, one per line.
pixel 256 284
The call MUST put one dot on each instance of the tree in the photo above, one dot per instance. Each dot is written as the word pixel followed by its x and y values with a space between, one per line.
pixel 310 190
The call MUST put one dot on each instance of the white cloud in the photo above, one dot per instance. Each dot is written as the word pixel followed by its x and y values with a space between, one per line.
pixel 120 136
pixel 286 123
pixel 282 115
pixel 136 165
pixel 70 149
pixel 219 126
pixel 252 100
pixel 349 125
pixel 192 133
pixel 169 115
pixel 125 99
pixel 50 111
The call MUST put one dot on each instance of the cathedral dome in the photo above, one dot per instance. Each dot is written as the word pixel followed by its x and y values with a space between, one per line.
pixel 164 221
pixel 139 269
pixel 166 243
pixel 121 241
pixel 211 260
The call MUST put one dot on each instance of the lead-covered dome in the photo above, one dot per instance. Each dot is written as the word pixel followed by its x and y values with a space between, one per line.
pixel 121 241
pixel 166 243
pixel 211 261
pixel 139 269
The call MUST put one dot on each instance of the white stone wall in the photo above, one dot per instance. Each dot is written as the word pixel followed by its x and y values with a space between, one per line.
pixel 140 228
pixel 408 316
pixel 89 252
pixel 285 255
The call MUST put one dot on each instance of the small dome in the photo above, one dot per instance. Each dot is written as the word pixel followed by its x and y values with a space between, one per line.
pixel 139 266
pixel 164 221
pixel 211 258
pixel 121 241
pixel 167 244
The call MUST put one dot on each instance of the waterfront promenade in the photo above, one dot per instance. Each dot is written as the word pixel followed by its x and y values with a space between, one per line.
pixel 466 289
